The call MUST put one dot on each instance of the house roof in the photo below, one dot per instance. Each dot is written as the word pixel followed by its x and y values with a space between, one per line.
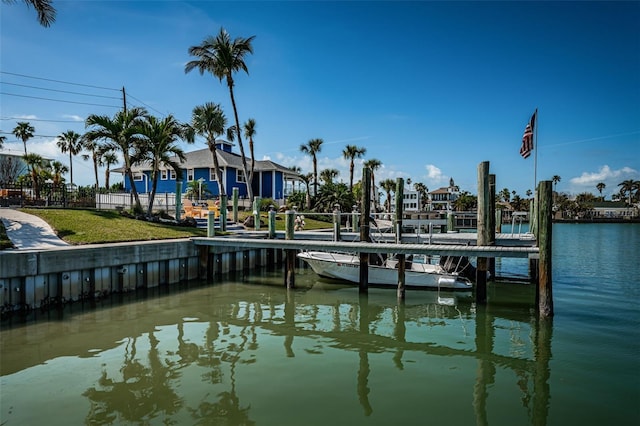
pixel 203 158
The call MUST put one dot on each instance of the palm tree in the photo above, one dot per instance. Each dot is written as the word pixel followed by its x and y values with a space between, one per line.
pixel 159 148
pixel 109 158
pixel 388 185
pixel 312 148
pixel 97 151
pixel 24 132
pixel 222 57
pixel 209 121
pixel 249 133
pixel 373 164
pixel 529 193
pixel 70 142
pixel 120 133
pixel 628 186
pixel 35 164
pixel 58 170
pixel 46 12
pixel 505 194
pixel 351 152
pixel 328 175
pixel 306 178
pixel 2 140
pixel 555 179
pixel 422 189
pixel 600 187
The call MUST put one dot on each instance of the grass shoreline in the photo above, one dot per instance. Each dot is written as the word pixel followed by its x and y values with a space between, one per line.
pixel 90 226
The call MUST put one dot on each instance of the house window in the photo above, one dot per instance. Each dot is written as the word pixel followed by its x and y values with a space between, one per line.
pixel 212 175
pixel 137 176
pixel 189 175
pixel 163 174
pixel 172 174
pixel 239 176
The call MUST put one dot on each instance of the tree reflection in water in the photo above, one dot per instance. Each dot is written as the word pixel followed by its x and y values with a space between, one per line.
pixel 144 391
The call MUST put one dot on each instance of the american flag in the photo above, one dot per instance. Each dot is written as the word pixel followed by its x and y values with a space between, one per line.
pixel 527 138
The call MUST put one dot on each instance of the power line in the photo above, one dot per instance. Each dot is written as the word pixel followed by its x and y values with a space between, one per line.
pixel 58 100
pixel 150 107
pixel 58 81
pixel 60 91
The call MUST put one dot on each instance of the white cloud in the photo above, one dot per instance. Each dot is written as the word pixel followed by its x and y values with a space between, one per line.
pixel 73 117
pixel 434 176
pixel 587 181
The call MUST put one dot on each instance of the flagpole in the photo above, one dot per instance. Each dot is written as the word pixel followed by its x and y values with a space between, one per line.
pixel 535 148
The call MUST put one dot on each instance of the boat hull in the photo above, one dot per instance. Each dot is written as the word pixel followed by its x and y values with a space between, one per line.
pixel 347 267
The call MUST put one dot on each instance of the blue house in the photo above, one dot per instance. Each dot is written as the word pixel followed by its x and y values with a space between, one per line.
pixel 270 180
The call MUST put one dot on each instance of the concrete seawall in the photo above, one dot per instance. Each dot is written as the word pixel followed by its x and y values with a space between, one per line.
pixel 32 279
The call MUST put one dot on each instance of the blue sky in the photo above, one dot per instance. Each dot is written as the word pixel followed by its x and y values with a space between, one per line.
pixel 431 89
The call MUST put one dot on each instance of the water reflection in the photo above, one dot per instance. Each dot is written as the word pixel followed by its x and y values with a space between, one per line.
pixel 213 354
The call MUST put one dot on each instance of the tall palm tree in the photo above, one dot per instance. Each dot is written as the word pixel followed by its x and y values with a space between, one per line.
pixel 373 164
pixel 158 147
pixel 328 175
pixel 70 142
pixel 209 121
pixel 313 147
pixel 222 57
pixel 96 149
pixel 555 179
pixel 108 159
pixel 600 187
pixel 44 8
pixel 120 133
pixel 24 132
pixel 388 185
pixel 351 152
pixel 249 133
pixel 306 178
pixel 2 140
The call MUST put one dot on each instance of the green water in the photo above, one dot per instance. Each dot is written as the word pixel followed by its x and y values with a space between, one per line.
pixel 247 351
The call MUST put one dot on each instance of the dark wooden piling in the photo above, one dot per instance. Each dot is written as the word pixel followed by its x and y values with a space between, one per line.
pixel 492 221
pixel 401 257
pixel 290 262
pixel 544 293
pixel 483 231
pixel 364 228
pixel 236 193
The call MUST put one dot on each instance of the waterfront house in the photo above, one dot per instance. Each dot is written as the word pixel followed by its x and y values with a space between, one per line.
pixel 444 198
pixel 270 180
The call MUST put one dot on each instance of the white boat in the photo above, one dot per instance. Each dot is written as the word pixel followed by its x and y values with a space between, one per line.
pixel 418 273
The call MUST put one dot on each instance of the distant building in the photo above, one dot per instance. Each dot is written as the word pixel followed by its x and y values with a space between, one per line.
pixel 410 201
pixel 270 180
pixel 444 198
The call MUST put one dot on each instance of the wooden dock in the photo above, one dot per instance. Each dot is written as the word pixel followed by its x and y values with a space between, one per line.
pixel 458 244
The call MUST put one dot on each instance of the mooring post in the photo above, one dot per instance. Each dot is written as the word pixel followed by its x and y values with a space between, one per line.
pixel 336 223
pixel 272 222
pixel 364 228
pixel 492 222
pixel 223 213
pixel 236 193
pixel 544 294
pixel 290 262
pixel 211 223
pixel 498 220
pixel 483 231
pixel 256 213
pixel 451 222
pixel 355 220
pixel 398 219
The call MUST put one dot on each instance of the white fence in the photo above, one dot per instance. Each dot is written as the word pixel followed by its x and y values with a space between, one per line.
pixel 163 201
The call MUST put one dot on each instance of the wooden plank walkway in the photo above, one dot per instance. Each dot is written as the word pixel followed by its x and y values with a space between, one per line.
pixel 453 248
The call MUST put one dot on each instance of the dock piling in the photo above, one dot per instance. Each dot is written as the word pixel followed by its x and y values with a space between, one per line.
pixel 290 262
pixel 484 211
pixel 364 228
pixel 544 293
pixel 401 257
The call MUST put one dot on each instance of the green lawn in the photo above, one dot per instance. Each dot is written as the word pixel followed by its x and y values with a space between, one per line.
pixel 97 226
